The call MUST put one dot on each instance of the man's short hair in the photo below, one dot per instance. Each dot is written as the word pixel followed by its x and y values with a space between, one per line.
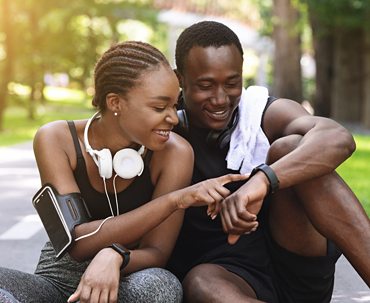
pixel 204 34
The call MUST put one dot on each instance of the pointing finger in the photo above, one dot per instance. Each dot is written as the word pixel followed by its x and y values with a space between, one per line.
pixel 232 178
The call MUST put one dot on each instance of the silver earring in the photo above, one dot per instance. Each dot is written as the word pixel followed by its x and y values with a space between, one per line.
pixel 115 114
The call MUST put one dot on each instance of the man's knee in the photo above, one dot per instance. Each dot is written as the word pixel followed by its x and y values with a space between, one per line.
pixel 196 285
pixel 282 147
pixel 151 285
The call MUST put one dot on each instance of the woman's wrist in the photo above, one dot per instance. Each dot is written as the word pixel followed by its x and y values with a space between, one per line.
pixel 176 199
pixel 112 255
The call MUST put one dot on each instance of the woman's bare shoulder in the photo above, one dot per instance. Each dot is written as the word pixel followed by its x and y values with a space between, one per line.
pixel 178 148
pixel 51 132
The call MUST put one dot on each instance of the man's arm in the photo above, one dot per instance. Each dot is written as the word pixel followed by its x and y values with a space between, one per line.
pixel 325 144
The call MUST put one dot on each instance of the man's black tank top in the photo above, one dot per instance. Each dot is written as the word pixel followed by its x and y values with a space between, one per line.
pixel 138 193
pixel 201 239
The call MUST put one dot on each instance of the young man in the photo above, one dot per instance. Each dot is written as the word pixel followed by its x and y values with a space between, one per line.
pixel 286 251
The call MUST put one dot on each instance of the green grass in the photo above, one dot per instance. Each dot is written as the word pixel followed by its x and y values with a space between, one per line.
pixel 60 104
pixel 67 104
pixel 355 171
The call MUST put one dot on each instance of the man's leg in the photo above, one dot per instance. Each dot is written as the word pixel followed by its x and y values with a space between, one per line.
pixel 302 217
pixel 213 283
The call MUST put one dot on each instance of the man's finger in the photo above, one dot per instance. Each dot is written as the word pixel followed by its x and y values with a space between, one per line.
pixel 232 238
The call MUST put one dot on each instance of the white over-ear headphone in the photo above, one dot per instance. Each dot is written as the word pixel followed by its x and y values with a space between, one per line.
pixel 127 162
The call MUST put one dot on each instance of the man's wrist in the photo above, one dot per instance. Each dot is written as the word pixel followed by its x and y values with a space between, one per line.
pixel 270 174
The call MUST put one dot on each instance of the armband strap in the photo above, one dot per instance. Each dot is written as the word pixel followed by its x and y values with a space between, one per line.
pixel 270 174
pixel 59 215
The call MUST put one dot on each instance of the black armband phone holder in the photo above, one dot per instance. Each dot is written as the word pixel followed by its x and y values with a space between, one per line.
pixel 270 174
pixel 59 215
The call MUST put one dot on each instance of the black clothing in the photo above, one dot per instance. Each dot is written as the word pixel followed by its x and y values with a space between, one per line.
pixel 254 257
pixel 130 198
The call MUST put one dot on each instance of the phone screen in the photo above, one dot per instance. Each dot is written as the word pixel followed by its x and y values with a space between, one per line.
pixel 49 213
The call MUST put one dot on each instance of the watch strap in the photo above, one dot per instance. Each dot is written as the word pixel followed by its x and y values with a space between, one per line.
pixel 125 253
pixel 270 174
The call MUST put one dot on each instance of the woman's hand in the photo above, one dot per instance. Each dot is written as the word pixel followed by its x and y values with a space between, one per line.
pixel 209 192
pixel 101 279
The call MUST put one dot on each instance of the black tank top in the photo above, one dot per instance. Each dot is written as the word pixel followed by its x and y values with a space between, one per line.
pixel 138 193
pixel 200 237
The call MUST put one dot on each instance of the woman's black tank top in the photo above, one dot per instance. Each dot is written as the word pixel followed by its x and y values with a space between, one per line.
pixel 138 193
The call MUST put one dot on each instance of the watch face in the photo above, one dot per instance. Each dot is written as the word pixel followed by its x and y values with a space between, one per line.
pixel 122 249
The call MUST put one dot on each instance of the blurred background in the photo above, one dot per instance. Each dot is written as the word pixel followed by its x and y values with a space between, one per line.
pixel 316 52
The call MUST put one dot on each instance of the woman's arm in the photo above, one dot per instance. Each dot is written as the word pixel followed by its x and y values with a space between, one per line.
pixel 132 226
pixel 55 157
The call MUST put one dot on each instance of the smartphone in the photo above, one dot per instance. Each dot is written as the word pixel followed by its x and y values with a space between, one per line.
pixel 53 220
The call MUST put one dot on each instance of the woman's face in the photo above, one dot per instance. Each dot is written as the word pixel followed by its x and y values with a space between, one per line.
pixel 149 112
pixel 212 85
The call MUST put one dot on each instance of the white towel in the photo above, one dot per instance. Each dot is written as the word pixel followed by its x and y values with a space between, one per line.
pixel 248 143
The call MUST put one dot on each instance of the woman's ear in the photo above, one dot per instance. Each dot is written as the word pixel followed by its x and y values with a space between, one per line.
pixel 113 103
pixel 179 77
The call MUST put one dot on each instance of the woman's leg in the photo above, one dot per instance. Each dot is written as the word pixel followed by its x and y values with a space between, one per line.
pixel 149 286
pixel 21 287
pixel 6 297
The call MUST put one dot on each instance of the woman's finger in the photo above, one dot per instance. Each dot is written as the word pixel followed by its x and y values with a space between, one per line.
pixel 85 294
pixel 95 295
pixel 232 178
pixel 76 294
pixel 113 296
pixel 214 208
pixel 104 296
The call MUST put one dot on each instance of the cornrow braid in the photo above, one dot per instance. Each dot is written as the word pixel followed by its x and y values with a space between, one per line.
pixel 119 69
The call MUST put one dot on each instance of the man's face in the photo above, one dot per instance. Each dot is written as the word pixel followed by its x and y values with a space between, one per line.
pixel 212 85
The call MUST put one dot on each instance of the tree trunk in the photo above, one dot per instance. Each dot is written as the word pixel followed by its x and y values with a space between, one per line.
pixel 366 105
pixel 8 64
pixel 347 86
pixel 323 43
pixel 287 66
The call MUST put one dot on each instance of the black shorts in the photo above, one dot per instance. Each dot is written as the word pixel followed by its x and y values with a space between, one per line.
pixel 288 278
pixel 299 279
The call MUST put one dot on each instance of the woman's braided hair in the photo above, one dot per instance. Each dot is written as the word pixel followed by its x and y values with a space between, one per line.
pixel 120 68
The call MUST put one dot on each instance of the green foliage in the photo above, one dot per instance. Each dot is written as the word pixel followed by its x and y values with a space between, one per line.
pixel 343 13
pixel 355 171
pixel 61 104
pixel 66 36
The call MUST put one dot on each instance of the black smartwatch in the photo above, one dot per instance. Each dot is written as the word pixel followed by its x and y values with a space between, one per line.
pixel 270 174
pixel 124 252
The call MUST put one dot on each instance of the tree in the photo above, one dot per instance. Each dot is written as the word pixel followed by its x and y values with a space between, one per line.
pixel 341 33
pixel 287 81
pixel 64 36
pixel 323 44
pixel 7 68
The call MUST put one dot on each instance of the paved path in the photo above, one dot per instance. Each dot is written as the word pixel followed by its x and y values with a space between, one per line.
pixel 22 236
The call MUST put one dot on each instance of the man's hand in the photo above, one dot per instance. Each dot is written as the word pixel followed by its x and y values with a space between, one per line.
pixel 101 279
pixel 209 192
pixel 239 210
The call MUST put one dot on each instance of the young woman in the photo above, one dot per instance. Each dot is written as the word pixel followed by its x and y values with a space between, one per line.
pixel 136 93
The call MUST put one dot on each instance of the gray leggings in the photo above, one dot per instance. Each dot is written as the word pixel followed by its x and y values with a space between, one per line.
pixel 55 281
